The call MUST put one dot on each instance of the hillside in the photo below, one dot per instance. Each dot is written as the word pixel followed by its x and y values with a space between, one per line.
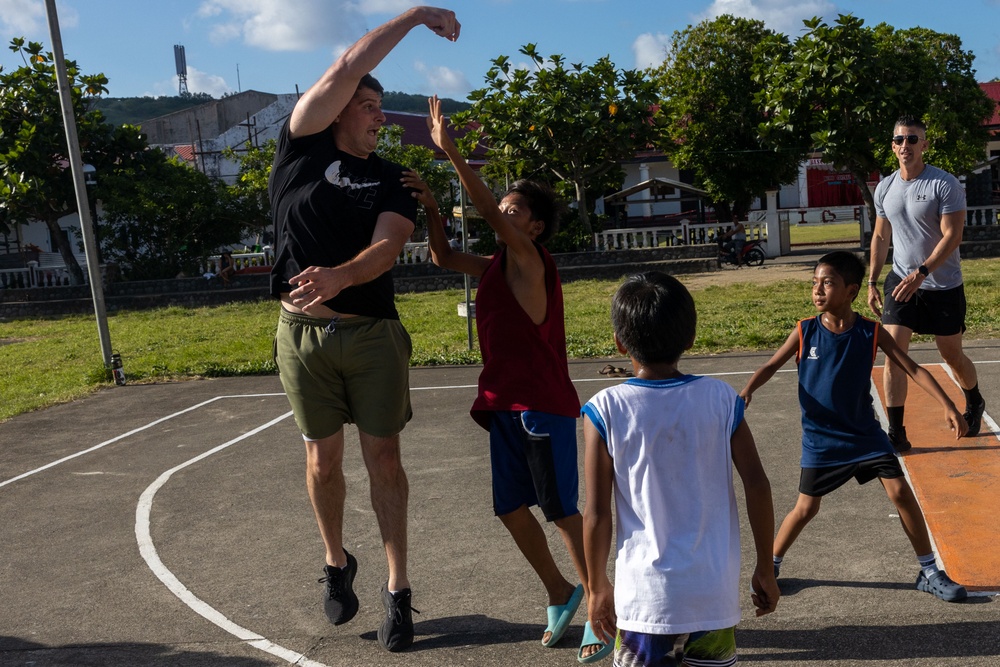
pixel 135 110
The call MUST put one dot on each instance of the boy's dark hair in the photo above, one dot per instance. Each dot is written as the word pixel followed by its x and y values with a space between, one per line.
pixel 907 120
pixel 544 205
pixel 653 317
pixel 368 81
pixel 847 265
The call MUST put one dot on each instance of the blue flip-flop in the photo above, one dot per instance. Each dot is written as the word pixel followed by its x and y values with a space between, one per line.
pixel 589 638
pixel 560 616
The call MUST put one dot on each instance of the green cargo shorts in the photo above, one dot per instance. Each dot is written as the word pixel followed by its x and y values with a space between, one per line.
pixel 350 371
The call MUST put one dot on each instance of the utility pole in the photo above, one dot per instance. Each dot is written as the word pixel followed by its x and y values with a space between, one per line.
pixel 76 166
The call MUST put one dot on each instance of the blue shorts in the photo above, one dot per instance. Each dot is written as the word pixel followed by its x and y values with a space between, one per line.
pixel 533 458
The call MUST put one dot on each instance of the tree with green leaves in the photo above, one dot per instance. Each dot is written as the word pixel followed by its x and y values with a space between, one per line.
pixel 840 88
pixel 438 175
pixel 708 119
pixel 35 179
pixel 160 218
pixel 574 122
pixel 251 182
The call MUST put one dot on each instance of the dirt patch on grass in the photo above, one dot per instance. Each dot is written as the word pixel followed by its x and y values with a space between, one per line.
pixel 767 273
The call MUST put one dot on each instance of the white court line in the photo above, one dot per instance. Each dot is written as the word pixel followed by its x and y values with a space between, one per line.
pixel 173 584
pixel 120 437
pixel 884 419
pixel 144 508
pixel 986 418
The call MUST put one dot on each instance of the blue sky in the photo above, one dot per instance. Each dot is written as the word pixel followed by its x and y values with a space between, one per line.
pixel 275 45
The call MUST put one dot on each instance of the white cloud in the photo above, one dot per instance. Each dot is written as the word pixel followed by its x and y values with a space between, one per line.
pixel 782 15
pixel 443 80
pixel 197 82
pixel 288 25
pixel 650 50
pixel 203 82
pixel 22 17
pixel 28 18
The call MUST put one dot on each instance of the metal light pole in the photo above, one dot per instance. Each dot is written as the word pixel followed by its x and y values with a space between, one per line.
pixel 76 166
pixel 468 280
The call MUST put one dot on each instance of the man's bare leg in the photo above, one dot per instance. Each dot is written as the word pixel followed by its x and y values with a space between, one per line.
pixel 389 495
pixel 327 490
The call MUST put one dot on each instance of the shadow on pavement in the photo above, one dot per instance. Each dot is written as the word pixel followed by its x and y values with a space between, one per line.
pixel 20 651
pixel 473 630
pixel 871 643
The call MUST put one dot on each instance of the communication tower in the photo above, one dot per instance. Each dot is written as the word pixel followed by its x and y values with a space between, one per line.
pixel 182 70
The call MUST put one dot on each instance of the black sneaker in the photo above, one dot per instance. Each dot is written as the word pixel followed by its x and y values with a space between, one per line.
pixel 941 586
pixel 974 418
pixel 339 601
pixel 899 441
pixel 396 631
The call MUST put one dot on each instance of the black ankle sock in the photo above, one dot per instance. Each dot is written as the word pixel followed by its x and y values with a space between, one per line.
pixel 895 416
pixel 972 396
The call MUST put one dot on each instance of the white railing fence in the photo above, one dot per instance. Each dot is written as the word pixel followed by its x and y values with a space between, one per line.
pixel 980 216
pixel 49 270
pixel 687 233
pixel 414 253
pixel 241 260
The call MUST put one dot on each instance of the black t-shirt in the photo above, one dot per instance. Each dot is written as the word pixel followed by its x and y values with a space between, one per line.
pixel 324 205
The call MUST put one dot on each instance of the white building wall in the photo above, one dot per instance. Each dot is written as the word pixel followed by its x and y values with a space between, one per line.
pixel 637 172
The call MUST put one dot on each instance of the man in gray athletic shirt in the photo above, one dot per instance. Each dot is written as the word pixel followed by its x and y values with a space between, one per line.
pixel 922 210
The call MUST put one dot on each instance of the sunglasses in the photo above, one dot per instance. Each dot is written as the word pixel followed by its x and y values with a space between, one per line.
pixel 909 138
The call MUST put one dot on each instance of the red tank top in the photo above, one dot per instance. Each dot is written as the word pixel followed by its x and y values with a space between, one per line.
pixel 524 364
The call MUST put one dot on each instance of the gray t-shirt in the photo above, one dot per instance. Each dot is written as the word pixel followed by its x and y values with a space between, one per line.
pixel 914 209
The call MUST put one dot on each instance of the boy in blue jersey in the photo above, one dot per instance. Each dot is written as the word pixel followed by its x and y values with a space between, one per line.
pixel 665 445
pixel 841 437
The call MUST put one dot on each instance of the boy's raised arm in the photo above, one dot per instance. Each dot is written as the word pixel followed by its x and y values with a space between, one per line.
pixel 760 514
pixel 597 532
pixel 953 417
pixel 767 371
pixel 481 196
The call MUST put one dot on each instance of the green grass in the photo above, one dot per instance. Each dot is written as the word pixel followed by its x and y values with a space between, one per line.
pixel 49 361
pixel 810 234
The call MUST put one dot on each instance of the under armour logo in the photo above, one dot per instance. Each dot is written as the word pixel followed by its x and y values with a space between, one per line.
pixel 921 197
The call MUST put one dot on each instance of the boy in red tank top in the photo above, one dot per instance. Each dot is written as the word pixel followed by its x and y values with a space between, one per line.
pixel 526 399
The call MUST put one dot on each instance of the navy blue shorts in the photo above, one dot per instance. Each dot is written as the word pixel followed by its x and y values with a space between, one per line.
pixel 533 458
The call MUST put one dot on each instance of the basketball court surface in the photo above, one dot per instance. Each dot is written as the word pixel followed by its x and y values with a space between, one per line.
pixel 169 524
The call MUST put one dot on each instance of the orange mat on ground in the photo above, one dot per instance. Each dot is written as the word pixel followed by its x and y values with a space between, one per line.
pixel 957 483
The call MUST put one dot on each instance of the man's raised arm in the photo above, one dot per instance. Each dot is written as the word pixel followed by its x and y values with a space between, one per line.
pixel 325 99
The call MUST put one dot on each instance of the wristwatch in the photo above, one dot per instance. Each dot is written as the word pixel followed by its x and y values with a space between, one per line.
pixel 923 270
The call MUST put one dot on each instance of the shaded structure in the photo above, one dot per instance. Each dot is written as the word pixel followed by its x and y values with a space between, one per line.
pixel 659 190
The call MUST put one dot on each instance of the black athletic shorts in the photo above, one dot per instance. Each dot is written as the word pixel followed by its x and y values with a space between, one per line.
pixel 818 482
pixel 932 312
